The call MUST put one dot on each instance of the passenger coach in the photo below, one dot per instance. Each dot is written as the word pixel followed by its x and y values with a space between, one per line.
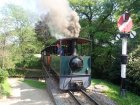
pixel 74 68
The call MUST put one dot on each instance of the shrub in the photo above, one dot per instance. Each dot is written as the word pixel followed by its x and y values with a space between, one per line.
pixel 32 62
pixel 133 71
pixel 4 85
pixel 115 70
pixel 3 75
pixel 5 89
pixel 133 80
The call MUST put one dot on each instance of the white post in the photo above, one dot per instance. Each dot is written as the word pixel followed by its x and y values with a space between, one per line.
pixel 123 66
pixel 124 52
pixel 124 46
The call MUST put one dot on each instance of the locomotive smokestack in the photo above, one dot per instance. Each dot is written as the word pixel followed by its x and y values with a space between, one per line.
pixel 75 47
pixel 62 20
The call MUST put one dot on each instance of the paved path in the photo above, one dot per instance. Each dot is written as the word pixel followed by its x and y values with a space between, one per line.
pixel 23 94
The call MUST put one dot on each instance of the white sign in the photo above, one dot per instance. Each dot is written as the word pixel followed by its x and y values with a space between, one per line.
pixel 117 37
pixel 132 34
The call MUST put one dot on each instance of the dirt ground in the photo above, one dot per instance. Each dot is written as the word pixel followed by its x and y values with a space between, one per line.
pixel 23 94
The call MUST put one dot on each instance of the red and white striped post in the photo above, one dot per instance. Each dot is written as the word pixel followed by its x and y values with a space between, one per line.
pixel 124 25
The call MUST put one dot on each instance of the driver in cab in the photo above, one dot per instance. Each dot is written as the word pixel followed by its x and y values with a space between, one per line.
pixel 58 50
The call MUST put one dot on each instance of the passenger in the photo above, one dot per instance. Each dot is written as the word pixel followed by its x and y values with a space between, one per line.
pixel 58 51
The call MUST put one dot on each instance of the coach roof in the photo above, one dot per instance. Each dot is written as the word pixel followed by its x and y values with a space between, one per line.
pixel 64 40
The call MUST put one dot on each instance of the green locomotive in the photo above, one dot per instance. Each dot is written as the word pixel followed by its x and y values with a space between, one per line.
pixel 73 70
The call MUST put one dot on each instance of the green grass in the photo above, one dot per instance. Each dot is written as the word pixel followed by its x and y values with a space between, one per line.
pixel 113 93
pixel 5 88
pixel 33 83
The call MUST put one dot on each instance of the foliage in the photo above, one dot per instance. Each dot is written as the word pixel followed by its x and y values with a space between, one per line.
pixel 25 41
pixel 94 17
pixel 32 62
pixel 36 84
pixel 50 41
pixel 133 71
pixel 5 89
pixel 113 93
pixel 3 75
pixel 115 69
pixel 5 27
pixel 4 85
pixel 42 30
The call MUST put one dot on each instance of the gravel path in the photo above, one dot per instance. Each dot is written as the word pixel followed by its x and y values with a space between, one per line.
pixel 23 94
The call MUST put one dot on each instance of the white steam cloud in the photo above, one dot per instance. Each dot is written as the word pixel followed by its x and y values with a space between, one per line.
pixel 62 21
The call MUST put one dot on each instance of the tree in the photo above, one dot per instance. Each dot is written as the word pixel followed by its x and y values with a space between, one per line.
pixel 5 27
pixel 26 42
pixel 96 19
pixel 115 69
pixel 42 31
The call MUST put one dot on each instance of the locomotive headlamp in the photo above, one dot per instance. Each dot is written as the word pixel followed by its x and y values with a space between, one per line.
pixel 126 16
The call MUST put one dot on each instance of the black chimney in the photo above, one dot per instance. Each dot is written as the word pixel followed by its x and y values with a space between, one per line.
pixel 75 47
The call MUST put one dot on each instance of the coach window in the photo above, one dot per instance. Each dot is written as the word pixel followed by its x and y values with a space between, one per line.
pixel 46 51
pixel 51 50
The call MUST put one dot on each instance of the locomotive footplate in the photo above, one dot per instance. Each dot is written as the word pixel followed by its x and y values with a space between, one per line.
pixel 76 84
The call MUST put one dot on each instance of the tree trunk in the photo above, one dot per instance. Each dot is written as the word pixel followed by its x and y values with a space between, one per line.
pixel 24 62
pixel 3 60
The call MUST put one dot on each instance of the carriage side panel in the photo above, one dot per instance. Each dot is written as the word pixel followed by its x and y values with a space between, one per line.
pixel 46 59
pixel 55 63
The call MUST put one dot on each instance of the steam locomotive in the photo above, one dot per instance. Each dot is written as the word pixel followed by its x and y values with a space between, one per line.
pixel 74 68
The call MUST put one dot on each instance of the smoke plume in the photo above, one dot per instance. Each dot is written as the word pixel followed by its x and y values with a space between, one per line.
pixel 62 21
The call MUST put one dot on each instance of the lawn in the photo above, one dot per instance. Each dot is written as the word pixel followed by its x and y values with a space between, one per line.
pixel 113 93
pixel 33 83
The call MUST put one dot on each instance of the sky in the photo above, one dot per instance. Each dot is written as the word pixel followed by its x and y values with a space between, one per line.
pixel 26 4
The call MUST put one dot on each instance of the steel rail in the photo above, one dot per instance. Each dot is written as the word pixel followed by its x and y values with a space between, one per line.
pixel 90 97
pixel 75 98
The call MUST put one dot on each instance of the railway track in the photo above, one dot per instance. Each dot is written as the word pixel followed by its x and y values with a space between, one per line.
pixel 82 98
pixel 60 97
pixel 76 97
